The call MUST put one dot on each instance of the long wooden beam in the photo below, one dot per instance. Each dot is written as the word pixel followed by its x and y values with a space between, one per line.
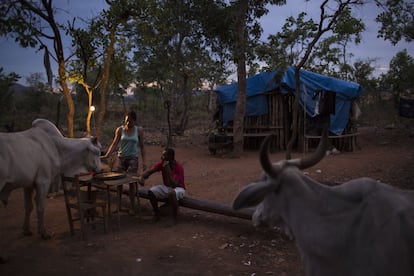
pixel 207 206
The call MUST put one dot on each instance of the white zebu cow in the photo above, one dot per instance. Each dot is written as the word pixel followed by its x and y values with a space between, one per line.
pixel 360 227
pixel 47 126
pixel 35 158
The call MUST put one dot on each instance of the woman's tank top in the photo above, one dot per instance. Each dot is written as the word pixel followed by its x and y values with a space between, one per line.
pixel 128 145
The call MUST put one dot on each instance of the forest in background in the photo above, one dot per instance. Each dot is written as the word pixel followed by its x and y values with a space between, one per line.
pixel 172 54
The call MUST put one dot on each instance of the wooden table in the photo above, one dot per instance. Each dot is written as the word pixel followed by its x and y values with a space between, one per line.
pixel 116 185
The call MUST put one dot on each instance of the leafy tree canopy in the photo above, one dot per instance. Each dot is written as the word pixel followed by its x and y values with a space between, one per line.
pixel 397 20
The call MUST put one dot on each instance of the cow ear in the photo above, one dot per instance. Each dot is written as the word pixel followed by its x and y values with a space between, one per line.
pixel 253 194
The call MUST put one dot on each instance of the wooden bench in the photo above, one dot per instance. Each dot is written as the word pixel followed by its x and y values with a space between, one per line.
pixel 349 138
pixel 189 202
pixel 206 205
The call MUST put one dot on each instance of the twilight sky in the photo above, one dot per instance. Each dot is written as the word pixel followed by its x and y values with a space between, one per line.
pixel 13 58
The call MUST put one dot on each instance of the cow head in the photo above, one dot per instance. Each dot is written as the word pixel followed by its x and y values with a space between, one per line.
pixel 265 193
pixel 79 155
pixel 93 160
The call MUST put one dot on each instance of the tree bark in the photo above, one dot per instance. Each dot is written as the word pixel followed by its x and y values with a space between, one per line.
pixel 186 105
pixel 238 122
pixel 104 84
pixel 68 97
pixel 295 116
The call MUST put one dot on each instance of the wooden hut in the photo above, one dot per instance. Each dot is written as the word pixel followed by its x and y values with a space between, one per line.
pixel 269 107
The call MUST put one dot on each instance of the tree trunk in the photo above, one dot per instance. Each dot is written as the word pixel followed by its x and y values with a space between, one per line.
pixel 238 127
pixel 104 84
pixel 58 47
pixel 174 93
pixel 68 97
pixel 90 111
pixel 295 116
pixel 167 105
pixel 321 30
pixel 238 122
pixel 211 107
pixel 186 106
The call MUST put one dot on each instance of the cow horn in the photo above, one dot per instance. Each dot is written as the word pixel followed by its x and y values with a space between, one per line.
pixel 302 163
pixel 312 159
pixel 268 167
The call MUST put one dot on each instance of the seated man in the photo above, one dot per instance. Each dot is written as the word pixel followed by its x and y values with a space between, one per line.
pixel 173 186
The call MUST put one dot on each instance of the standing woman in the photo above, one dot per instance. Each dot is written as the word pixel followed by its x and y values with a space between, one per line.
pixel 131 142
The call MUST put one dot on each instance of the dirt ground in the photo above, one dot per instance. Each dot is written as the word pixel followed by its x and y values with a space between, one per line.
pixel 201 243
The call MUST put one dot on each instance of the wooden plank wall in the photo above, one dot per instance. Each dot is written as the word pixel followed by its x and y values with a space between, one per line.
pixel 276 122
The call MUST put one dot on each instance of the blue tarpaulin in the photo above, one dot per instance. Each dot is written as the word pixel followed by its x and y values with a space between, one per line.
pixel 260 84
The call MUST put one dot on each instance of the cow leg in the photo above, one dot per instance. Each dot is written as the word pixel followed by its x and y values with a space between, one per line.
pixel 28 207
pixel 40 209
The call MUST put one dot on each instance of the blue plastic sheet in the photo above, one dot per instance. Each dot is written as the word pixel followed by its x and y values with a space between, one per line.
pixel 258 85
